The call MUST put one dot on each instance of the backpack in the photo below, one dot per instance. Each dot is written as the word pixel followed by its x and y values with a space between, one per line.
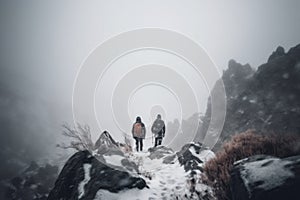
pixel 158 127
pixel 137 130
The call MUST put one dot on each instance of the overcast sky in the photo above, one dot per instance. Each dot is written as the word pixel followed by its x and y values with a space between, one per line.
pixel 44 43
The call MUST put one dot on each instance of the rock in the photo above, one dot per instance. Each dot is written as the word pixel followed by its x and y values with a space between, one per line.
pixel 159 152
pixel 267 99
pixel 108 151
pixel 107 145
pixel 266 178
pixel 170 159
pixel 83 175
pixel 188 157
pixel 276 54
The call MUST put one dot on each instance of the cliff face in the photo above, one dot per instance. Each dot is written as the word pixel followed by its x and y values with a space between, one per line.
pixel 267 99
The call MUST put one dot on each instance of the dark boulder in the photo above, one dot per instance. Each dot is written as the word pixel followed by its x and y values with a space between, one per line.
pixel 266 178
pixel 188 156
pixel 83 175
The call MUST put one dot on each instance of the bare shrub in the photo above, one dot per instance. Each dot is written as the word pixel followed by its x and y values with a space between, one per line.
pixel 241 146
pixel 126 146
pixel 80 137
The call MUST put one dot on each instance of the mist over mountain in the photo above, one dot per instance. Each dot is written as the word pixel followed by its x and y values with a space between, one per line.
pixel 266 99
pixel 186 131
pixel 21 140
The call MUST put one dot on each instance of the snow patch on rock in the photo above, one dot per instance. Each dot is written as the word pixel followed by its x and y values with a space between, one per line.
pixel 114 160
pixel 87 177
pixel 203 155
pixel 272 173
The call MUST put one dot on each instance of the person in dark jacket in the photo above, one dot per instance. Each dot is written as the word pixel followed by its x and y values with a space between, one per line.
pixel 139 133
pixel 158 129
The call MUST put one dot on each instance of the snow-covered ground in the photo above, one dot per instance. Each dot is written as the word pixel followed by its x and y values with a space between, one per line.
pixel 165 181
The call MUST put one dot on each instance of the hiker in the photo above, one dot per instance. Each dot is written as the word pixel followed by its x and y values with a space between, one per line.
pixel 158 130
pixel 138 133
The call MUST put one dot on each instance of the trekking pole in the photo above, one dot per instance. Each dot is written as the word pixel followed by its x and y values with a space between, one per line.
pixel 152 138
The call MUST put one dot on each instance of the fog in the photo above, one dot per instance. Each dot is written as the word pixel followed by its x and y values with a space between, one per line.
pixel 43 44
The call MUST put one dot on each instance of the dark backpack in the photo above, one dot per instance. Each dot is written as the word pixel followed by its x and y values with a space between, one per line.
pixel 158 127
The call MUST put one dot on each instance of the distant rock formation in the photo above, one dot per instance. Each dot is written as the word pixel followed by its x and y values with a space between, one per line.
pixel 33 183
pixel 183 132
pixel 266 178
pixel 267 99
pixel 276 54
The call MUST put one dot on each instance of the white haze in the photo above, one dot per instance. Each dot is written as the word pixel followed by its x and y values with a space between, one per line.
pixel 43 44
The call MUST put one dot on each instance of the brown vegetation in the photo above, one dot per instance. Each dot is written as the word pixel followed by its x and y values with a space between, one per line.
pixel 217 170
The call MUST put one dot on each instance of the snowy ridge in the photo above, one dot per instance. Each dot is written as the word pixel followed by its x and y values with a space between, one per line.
pixel 165 181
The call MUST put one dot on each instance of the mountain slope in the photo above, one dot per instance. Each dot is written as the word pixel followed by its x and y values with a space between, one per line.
pixel 159 173
pixel 267 99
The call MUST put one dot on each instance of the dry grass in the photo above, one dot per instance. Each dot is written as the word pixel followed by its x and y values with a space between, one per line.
pixel 241 146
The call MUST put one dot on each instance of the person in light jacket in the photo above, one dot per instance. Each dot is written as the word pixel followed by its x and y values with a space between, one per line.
pixel 139 133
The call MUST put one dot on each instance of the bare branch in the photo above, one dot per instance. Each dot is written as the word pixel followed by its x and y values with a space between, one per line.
pixel 81 137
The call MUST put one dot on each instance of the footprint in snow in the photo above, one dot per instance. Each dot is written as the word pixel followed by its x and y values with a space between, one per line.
pixel 178 187
pixel 161 182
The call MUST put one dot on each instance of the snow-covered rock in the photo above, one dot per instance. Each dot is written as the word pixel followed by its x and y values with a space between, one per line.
pixel 109 173
pixel 106 145
pixel 192 156
pixel 83 175
pixel 266 178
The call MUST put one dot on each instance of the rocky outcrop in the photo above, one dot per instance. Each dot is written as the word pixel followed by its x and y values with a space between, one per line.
pixel 266 178
pixel 188 156
pixel 277 54
pixel 83 175
pixel 107 145
pixel 105 168
pixel 192 157
pixel 267 99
